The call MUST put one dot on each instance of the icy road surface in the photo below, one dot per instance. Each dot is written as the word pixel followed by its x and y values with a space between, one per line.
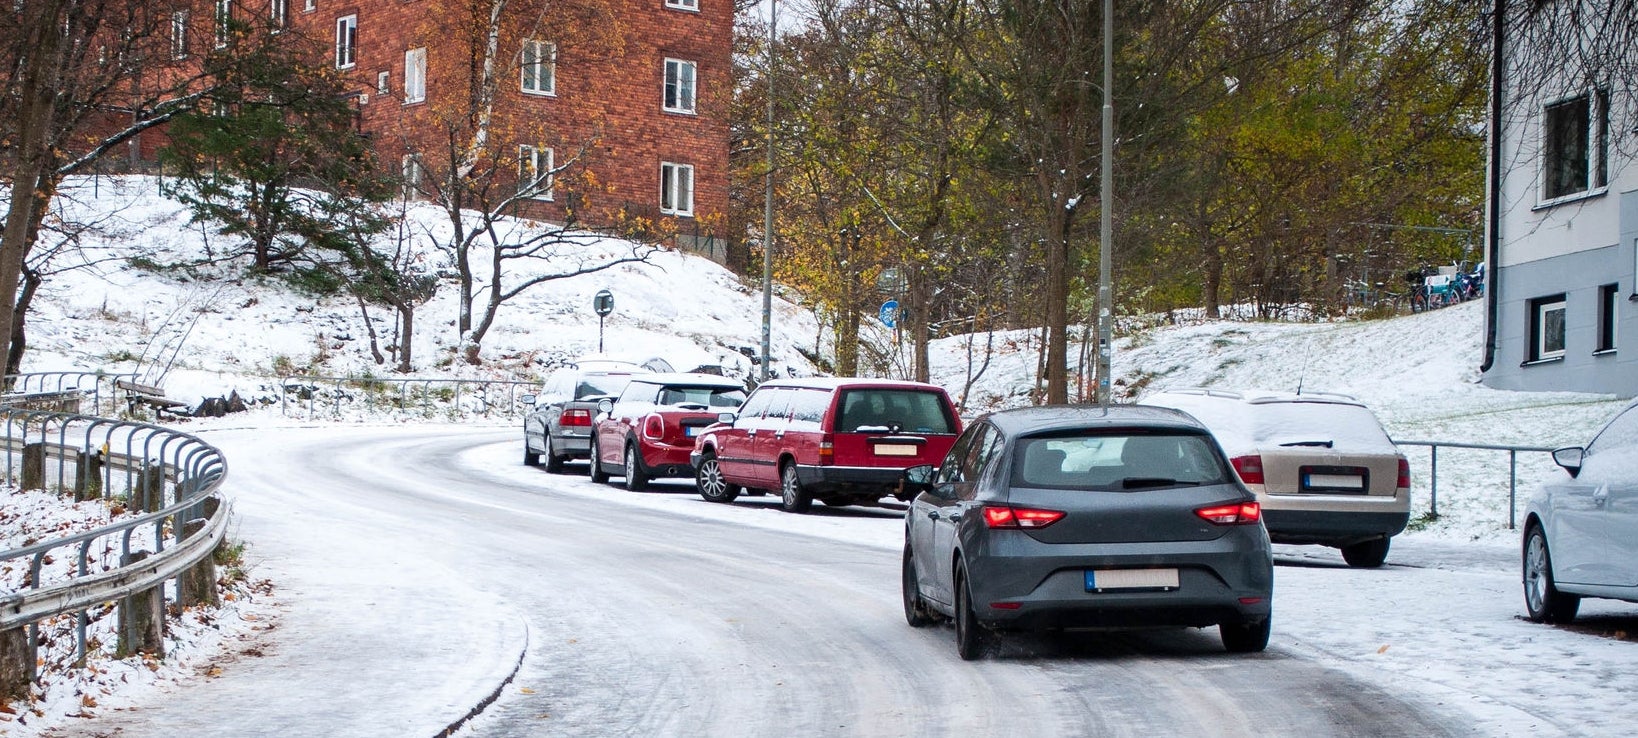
pixel 423 567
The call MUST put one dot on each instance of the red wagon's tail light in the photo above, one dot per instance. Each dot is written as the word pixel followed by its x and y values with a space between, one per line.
pixel 1244 513
pixel 1250 468
pixel 1020 517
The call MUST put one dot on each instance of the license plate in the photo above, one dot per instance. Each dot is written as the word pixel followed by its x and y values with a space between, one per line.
pixel 1336 481
pixel 896 449
pixel 690 431
pixel 1102 580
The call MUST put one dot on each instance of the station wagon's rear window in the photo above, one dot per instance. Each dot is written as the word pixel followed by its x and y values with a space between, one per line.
pixel 893 410
pixel 1117 461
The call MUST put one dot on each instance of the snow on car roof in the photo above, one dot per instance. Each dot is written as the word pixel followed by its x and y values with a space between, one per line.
pixel 1247 421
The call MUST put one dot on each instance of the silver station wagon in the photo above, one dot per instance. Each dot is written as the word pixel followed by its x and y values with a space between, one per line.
pixel 1085 517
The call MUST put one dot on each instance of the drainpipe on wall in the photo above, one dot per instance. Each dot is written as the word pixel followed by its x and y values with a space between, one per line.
pixel 1492 245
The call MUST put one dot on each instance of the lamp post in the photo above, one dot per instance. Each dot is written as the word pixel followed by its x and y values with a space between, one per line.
pixel 1105 212
pixel 767 207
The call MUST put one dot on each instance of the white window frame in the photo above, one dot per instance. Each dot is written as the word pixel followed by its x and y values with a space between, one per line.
pixel 383 83
pixel 538 60
pixel 532 161
pixel 347 41
pixel 693 5
pixel 411 173
pixel 224 19
pixel 415 75
pixel 681 87
pixel 278 14
pixel 1596 180
pixel 676 195
pixel 179 34
pixel 1539 312
pixel 309 6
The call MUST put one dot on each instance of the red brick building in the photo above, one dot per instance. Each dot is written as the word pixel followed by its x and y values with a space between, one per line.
pixel 627 99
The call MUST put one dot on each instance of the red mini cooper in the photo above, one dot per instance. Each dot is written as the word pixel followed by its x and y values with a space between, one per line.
pixel 836 440
pixel 649 430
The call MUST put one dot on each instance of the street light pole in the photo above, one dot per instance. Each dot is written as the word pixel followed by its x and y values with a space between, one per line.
pixel 1105 224
pixel 767 207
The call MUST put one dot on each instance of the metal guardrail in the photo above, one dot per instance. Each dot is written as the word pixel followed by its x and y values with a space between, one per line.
pixel 310 395
pixel 173 479
pixel 1512 470
pixel 98 386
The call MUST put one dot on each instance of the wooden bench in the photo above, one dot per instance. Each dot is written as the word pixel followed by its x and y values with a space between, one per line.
pixel 147 395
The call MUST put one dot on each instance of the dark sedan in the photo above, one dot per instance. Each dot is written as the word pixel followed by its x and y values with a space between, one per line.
pixel 1085 517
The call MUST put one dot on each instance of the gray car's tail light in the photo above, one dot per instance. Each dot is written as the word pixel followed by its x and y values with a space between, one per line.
pixel 997 516
pixel 1243 513
pixel 1404 473
pixel 576 418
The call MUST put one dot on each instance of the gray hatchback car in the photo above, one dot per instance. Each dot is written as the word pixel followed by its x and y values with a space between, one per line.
pixel 1084 517
pixel 1581 529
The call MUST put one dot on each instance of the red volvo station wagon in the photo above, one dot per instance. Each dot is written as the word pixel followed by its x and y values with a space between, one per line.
pixel 840 441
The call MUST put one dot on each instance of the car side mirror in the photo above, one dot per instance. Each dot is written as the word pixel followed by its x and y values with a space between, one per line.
pixel 1570 458
pixel 727 418
pixel 528 399
pixel 919 479
pixel 605 406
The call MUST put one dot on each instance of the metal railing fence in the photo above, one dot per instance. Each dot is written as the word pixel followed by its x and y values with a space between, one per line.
pixel 97 386
pixel 1512 470
pixel 171 481
pixel 419 397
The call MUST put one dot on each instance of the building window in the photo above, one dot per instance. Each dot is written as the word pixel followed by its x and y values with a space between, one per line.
pixel 683 4
pixel 676 189
pixel 679 86
pixel 224 21
pixel 415 75
pixel 1547 328
pixel 383 83
pixel 278 15
pixel 179 34
pixel 535 172
pixel 1608 304
pixel 539 62
pixel 310 5
pixel 346 41
pixel 411 177
pixel 1575 152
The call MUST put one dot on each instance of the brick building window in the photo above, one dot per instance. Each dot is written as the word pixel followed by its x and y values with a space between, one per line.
pixel 224 22
pixel 346 41
pixel 179 34
pixel 679 86
pixel 1547 328
pixel 676 189
pixel 683 4
pixel 278 15
pixel 309 5
pixel 415 75
pixel 535 172
pixel 539 63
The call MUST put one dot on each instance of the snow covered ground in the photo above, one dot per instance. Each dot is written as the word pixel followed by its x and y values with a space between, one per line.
pixel 207 332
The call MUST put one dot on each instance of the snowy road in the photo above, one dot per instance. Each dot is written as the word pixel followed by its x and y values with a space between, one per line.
pixel 659 614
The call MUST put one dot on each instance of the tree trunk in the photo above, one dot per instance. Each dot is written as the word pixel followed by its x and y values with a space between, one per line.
pixel 919 313
pixel 406 342
pixel 19 337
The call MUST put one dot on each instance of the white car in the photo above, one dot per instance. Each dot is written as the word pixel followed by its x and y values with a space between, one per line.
pixel 1320 463
pixel 1581 530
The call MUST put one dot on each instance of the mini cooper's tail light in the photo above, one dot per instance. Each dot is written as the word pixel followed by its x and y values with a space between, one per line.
pixel 1014 518
pixel 576 418
pixel 1244 513
pixel 827 450
pixel 1250 468
pixel 654 427
pixel 1404 473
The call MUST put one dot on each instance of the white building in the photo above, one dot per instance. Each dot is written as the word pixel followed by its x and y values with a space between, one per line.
pixel 1562 246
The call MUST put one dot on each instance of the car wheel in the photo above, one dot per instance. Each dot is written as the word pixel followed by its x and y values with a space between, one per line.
pixel 709 483
pixel 916 612
pixel 793 497
pixel 554 463
pixel 1245 637
pixel 598 475
pixel 636 478
pixel 1542 600
pixel 1367 555
pixel 971 640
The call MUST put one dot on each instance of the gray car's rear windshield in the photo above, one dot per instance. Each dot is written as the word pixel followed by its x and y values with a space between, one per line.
pixel 609 386
pixel 1117 461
